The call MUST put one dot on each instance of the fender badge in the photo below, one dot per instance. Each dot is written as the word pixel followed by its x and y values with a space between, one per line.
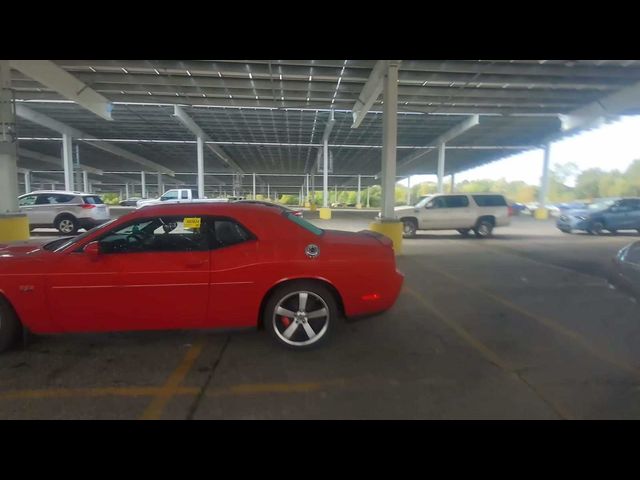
pixel 26 288
pixel 312 250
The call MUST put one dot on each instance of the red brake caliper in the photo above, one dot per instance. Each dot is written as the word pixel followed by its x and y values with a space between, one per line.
pixel 286 321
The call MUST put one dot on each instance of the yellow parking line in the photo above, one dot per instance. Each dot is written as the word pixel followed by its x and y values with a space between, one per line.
pixel 49 393
pixel 547 322
pixel 267 388
pixel 486 352
pixel 157 405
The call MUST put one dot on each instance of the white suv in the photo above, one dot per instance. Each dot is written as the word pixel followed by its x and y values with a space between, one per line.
pixel 457 211
pixel 66 211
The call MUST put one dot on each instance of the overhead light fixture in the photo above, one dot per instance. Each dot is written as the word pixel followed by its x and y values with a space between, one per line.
pixel 250 76
pixel 188 73
pixel 93 69
pixel 124 70
pixel 219 74
pixel 149 93
pixel 155 70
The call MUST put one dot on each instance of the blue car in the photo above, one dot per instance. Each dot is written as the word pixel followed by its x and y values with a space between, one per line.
pixel 607 214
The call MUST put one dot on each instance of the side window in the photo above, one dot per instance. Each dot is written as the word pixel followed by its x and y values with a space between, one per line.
pixel 227 233
pixel 53 199
pixel 490 200
pixel 185 195
pixel 437 202
pixel 169 196
pixel 633 255
pixel 456 201
pixel 160 234
pixel 27 201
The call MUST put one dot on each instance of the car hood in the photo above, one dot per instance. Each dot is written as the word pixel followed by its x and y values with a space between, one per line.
pixel 404 209
pixel 581 212
pixel 361 238
pixel 21 249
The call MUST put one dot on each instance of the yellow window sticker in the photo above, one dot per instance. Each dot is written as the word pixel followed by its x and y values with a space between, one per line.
pixel 191 222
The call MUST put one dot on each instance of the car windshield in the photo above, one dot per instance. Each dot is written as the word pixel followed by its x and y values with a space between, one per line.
pixel 62 243
pixel 302 222
pixel 423 201
pixel 601 205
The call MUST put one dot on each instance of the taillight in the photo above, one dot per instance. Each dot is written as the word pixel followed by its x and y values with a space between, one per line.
pixel 511 211
pixel 88 205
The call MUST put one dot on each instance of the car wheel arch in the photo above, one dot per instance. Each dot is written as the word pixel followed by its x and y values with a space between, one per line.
pixel 489 218
pixel 320 281
pixel 63 215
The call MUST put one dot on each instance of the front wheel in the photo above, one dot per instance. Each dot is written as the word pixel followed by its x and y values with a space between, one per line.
pixel 597 228
pixel 464 231
pixel 301 315
pixel 409 228
pixel 9 326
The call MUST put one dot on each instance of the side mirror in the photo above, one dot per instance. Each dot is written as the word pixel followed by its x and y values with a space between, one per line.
pixel 92 249
pixel 429 205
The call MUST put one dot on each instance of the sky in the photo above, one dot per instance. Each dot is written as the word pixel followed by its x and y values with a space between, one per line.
pixel 611 147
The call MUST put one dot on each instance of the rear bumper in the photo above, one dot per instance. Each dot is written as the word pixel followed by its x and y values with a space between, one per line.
pixel 378 296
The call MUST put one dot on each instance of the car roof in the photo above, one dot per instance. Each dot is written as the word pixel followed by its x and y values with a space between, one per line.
pixel 59 192
pixel 204 208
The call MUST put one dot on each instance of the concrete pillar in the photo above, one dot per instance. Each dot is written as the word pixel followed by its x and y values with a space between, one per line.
pixel 160 185
pixel 126 190
pixel 453 182
pixel 27 181
pixel 143 184
pixel 67 162
pixel 254 185
pixel 325 174
pixel 200 167
pixel 389 142
pixel 85 181
pixel 441 150
pixel 541 212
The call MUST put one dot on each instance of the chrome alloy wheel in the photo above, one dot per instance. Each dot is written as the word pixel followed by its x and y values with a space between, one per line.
pixel 66 226
pixel 301 318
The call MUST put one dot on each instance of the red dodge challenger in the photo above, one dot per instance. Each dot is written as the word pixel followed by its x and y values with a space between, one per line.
pixel 190 266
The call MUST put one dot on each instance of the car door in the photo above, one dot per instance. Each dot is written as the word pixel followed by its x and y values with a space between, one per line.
pixel 434 215
pixel 458 211
pixel 150 274
pixel 162 272
pixel 235 269
pixel 633 216
pixel 27 205
pixel 616 217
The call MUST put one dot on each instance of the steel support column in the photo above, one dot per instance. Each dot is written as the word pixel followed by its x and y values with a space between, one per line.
pixel 409 190
pixel 126 191
pixel 143 183
pixel 85 181
pixel 453 182
pixel 160 186
pixel 325 174
pixel 544 181
pixel 200 167
pixel 358 195
pixel 27 181
pixel 389 141
pixel 254 185
pixel 67 162
pixel 441 159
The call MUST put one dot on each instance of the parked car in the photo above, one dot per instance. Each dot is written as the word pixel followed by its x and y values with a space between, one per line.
pixel 65 211
pixel 517 208
pixel 625 271
pixel 198 266
pixel 606 214
pixel 464 213
pixel 294 211
pixel 130 202
pixel 177 195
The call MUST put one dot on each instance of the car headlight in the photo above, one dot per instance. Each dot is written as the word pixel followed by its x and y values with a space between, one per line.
pixel 580 217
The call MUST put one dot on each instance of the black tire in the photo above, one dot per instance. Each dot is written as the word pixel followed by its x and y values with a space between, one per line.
pixel 288 297
pixel 613 232
pixel 409 228
pixel 67 225
pixel 483 229
pixel 566 230
pixel 464 231
pixel 597 228
pixel 10 327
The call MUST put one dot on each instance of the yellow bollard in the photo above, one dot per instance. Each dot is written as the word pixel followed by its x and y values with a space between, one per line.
pixel 358 205
pixel 313 207
pixel 393 230
pixel 14 227
pixel 541 214
pixel 325 213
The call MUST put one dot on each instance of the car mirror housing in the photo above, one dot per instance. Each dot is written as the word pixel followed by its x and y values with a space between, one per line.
pixel 92 249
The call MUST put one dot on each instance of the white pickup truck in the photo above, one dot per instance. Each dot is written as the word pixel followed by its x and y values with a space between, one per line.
pixel 475 212
pixel 177 195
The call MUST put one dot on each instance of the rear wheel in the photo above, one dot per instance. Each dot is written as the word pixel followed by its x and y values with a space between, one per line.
pixel 67 225
pixel 484 229
pixel 9 326
pixel 301 315
pixel 409 228
pixel 613 231
pixel 464 231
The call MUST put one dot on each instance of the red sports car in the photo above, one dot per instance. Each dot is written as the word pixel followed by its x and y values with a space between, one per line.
pixel 189 266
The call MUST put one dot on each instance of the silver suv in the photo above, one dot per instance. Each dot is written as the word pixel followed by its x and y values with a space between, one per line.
pixel 66 211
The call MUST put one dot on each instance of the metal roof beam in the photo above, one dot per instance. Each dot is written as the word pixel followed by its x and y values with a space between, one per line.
pixel 52 76
pixel 612 105
pixel 450 134
pixel 187 121
pixel 370 92
pixel 45 121
pixel 41 157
